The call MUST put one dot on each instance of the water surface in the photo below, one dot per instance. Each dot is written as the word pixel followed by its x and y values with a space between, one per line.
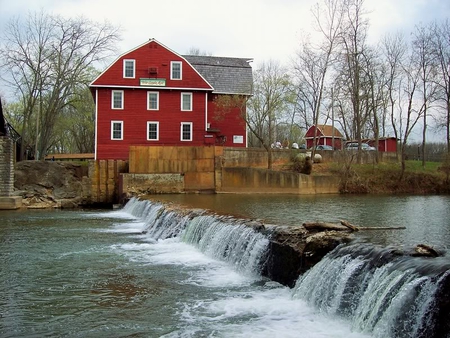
pixel 426 218
pixel 95 274
pixel 100 274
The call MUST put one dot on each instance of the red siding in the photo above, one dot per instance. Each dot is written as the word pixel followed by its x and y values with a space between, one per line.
pixel 149 55
pixel 310 132
pixel 387 144
pixel 135 114
pixel 230 124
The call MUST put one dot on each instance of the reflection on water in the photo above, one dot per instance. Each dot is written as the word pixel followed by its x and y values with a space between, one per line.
pixel 426 218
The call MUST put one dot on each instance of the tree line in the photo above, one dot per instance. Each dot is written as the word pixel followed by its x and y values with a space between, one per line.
pixel 48 62
pixel 397 87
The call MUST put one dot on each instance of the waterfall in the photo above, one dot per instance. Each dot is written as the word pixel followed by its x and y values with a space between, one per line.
pixel 224 238
pixel 229 240
pixel 159 222
pixel 380 291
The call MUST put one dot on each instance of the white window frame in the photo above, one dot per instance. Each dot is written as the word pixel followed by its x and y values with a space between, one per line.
pixel 125 61
pixel 190 131
pixel 148 100
pixel 172 64
pixel 157 130
pixel 121 99
pixel 113 123
pixel 182 101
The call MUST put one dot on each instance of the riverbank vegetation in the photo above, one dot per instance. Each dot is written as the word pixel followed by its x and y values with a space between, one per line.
pixel 384 178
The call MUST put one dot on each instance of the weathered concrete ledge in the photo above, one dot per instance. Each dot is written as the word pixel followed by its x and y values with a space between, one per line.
pixel 272 181
pixel 10 202
pixel 135 184
pixel 232 180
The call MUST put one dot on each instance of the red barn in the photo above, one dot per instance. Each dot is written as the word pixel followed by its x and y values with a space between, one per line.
pixel 153 96
pixel 385 144
pixel 328 135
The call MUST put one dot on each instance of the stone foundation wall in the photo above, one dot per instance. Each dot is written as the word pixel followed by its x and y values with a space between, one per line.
pixel 6 166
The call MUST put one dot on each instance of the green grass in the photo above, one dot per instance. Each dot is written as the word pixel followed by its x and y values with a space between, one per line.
pixel 416 166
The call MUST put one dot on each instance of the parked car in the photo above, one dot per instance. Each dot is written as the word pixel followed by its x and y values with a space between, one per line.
pixel 324 147
pixel 354 146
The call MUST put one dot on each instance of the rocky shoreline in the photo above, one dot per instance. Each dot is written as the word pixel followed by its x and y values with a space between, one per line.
pixel 50 184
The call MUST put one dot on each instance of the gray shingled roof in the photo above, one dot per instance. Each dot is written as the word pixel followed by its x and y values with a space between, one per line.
pixel 226 75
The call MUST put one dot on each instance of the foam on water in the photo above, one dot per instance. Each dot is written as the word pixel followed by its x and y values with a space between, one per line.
pixel 263 312
pixel 355 291
pixel 241 305
pixel 202 270
pixel 239 302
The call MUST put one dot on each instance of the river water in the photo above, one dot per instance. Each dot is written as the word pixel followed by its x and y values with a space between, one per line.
pixel 427 218
pixel 146 272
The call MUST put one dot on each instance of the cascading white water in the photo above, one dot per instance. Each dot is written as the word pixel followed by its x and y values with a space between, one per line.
pixel 159 223
pixel 223 238
pixel 380 293
pixel 227 240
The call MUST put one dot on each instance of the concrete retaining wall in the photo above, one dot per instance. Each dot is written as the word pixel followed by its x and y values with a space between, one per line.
pixel 251 180
pixel 161 169
pixel 152 183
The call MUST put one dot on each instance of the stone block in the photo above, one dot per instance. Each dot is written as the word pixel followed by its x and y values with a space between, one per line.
pixel 10 202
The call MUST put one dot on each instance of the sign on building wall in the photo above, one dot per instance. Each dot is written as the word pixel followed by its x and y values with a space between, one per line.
pixel 238 139
pixel 153 82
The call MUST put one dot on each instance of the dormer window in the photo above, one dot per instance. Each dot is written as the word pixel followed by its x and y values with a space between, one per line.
pixel 129 69
pixel 175 70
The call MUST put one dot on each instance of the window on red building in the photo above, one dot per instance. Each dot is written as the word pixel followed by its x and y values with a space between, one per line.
pixel 117 99
pixel 152 131
pixel 128 69
pixel 175 70
pixel 116 130
pixel 152 100
pixel 186 101
pixel 186 131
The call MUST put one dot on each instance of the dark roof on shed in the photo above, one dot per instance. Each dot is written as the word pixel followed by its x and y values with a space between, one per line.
pixel 226 75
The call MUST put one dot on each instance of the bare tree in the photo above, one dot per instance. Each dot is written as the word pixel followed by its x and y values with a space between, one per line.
pixel 47 58
pixel 394 50
pixel 414 105
pixel 25 63
pixel 441 43
pixel 373 100
pixel 198 52
pixel 353 48
pixel 74 127
pixel 425 59
pixel 313 62
pixel 271 98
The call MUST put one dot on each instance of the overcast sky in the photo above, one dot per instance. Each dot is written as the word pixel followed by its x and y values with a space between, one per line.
pixel 258 29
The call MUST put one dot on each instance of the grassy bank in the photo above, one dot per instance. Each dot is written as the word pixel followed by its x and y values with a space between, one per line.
pixel 387 178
